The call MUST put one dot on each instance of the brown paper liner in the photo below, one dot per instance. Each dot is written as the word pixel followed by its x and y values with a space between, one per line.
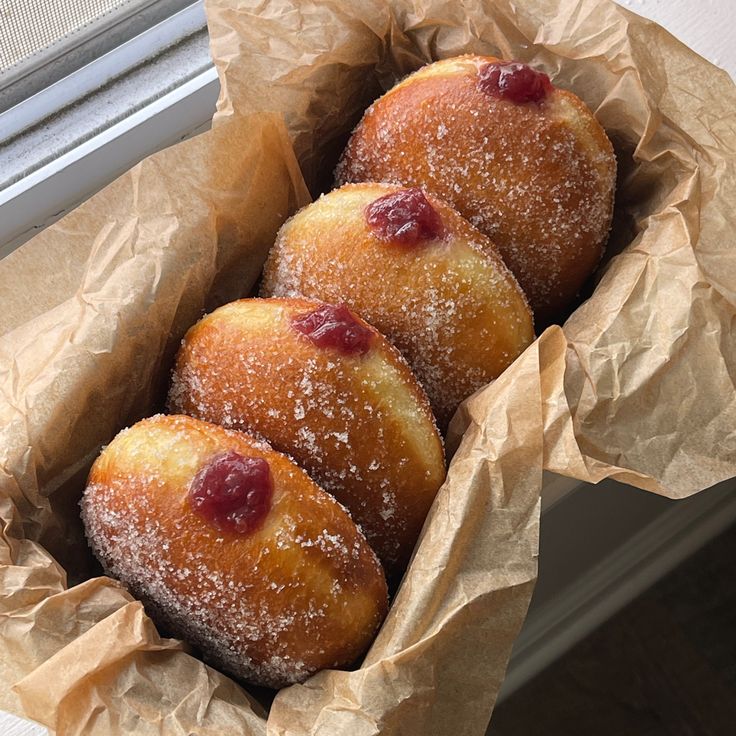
pixel 637 386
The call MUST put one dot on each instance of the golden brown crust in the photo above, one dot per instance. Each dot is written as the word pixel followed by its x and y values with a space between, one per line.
pixel 301 593
pixel 359 424
pixel 450 306
pixel 537 179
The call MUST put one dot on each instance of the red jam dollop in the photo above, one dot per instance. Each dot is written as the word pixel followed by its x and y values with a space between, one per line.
pixel 233 492
pixel 334 327
pixel 514 81
pixel 404 217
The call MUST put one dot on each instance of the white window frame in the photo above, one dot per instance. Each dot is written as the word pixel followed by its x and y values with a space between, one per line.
pixel 153 89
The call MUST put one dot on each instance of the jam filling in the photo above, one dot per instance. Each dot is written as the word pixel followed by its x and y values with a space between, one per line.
pixel 233 492
pixel 334 327
pixel 514 81
pixel 404 217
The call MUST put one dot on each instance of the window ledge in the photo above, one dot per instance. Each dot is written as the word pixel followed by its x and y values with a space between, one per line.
pixel 69 140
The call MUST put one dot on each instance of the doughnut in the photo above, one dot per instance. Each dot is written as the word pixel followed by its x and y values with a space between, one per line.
pixel 321 385
pixel 418 272
pixel 232 547
pixel 524 161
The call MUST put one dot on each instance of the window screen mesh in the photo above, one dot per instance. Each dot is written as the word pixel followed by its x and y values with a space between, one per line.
pixel 29 27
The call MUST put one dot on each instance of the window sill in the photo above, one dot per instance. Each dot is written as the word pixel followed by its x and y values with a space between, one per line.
pixel 68 141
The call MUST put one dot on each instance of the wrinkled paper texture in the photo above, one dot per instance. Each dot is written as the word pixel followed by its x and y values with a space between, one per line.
pixel 637 386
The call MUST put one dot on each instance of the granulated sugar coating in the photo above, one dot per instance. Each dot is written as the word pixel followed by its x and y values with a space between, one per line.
pixel 271 606
pixel 357 421
pixel 536 178
pixel 450 306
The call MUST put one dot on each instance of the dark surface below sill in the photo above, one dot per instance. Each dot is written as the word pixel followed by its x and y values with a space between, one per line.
pixel 664 666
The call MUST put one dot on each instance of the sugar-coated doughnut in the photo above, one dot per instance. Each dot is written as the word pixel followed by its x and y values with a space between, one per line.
pixel 418 272
pixel 234 548
pixel 320 384
pixel 524 161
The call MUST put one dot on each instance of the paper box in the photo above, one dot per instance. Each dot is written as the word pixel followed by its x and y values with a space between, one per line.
pixel 638 385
